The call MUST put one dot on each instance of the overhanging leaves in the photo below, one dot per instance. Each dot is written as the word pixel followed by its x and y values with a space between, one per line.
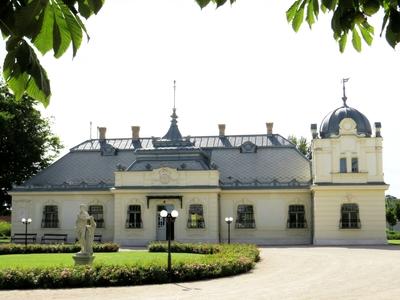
pixel 48 24
pixel 23 72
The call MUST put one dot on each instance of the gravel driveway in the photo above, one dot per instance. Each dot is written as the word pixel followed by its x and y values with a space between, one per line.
pixel 284 273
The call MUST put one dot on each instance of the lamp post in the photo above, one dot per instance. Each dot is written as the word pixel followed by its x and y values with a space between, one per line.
pixel 229 220
pixel 170 218
pixel 26 222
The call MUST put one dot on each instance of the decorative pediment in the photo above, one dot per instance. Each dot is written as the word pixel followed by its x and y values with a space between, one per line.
pixel 165 175
pixel 348 126
pixel 248 147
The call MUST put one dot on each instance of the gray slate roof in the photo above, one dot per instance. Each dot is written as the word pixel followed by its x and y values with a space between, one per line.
pixel 275 163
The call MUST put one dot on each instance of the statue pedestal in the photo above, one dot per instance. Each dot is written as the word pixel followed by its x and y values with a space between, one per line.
pixel 83 258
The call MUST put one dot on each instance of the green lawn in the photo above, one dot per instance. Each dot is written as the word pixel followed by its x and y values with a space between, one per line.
pixel 115 258
pixel 394 242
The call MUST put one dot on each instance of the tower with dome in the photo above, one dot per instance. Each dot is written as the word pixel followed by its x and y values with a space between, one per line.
pixel 348 188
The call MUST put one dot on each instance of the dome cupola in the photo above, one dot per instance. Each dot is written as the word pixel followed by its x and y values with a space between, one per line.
pixel 330 124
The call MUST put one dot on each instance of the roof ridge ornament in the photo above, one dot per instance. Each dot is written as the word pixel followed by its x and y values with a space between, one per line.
pixel 344 98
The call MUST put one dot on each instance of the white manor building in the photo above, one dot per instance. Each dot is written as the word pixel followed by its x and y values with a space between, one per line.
pixel 274 193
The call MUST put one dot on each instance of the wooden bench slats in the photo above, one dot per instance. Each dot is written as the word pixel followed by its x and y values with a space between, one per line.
pixel 20 237
pixel 56 237
pixel 97 238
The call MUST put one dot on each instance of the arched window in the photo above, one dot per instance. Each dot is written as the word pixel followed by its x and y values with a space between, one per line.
pixel 350 216
pixel 196 216
pixel 245 217
pixel 97 212
pixel 296 217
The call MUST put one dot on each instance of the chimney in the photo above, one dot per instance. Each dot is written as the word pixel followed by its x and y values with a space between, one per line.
pixel 221 128
pixel 135 132
pixel 102 133
pixel 270 125
pixel 314 131
pixel 378 127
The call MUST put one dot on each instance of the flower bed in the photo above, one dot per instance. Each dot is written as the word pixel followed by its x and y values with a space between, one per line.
pixel 226 261
pixel 54 248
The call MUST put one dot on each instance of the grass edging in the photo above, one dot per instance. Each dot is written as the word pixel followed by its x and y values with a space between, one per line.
pixel 228 260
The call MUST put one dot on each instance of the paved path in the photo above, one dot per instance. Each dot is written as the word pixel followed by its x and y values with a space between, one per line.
pixel 284 273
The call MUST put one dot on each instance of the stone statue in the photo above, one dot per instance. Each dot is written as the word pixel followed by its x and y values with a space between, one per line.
pixel 85 227
pixel 80 227
pixel 89 235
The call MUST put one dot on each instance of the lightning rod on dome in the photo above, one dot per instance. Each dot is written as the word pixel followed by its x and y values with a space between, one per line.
pixel 174 92
pixel 344 98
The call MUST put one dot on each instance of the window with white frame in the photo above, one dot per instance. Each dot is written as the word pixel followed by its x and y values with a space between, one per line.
pixel 296 217
pixel 350 216
pixel 196 216
pixel 97 212
pixel 50 216
pixel 134 217
pixel 245 217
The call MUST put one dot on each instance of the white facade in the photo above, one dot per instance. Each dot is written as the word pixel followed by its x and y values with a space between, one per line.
pixel 340 202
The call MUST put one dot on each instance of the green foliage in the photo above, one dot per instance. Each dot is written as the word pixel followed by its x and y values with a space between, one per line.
pixel 348 16
pixel 232 259
pixel 391 217
pixel 397 210
pixel 176 247
pixel 301 144
pixel 5 229
pixel 46 25
pixel 392 205
pixel 204 3
pixel 54 248
pixel 392 235
pixel 27 142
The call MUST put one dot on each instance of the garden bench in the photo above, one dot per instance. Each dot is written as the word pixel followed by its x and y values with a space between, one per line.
pixel 97 238
pixel 54 238
pixel 20 238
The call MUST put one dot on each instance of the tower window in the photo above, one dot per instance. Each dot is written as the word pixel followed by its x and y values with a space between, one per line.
pixel 343 165
pixel 354 165
pixel 350 217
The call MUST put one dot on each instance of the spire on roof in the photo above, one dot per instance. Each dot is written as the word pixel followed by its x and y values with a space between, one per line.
pixel 344 98
pixel 173 133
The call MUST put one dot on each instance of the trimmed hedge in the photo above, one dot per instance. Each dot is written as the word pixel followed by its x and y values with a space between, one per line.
pixel 184 247
pixel 54 248
pixel 228 260
pixel 392 235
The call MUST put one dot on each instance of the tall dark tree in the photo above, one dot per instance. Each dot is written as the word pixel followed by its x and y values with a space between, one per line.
pixel 391 217
pixel 397 210
pixel 27 144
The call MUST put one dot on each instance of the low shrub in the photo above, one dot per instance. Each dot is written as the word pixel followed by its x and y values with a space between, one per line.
pixel 199 248
pixel 5 229
pixel 54 248
pixel 392 235
pixel 226 261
